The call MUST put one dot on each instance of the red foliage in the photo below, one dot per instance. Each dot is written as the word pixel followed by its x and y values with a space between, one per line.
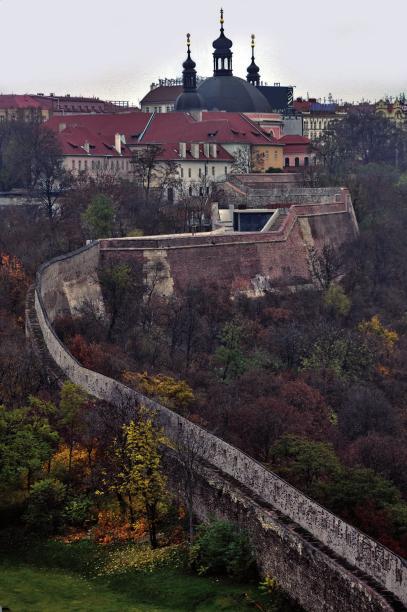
pixel 91 355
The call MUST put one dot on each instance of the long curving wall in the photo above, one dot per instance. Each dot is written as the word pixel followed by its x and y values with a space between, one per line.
pixel 328 548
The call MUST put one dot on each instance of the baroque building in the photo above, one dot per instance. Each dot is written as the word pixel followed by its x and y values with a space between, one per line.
pixel 223 91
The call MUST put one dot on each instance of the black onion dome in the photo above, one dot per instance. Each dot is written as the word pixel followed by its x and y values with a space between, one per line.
pixel 222 43
pixel 189 63
pixel 253 68
pixel 232 94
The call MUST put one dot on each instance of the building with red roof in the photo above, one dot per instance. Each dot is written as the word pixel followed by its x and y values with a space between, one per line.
pixel 298 152
pixel 23 108
pixel 39 107
pixel 204 146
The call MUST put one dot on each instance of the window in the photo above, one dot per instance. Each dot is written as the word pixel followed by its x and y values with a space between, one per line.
pixel 190 190
pixel 93 164
pixel 182 172
pixel 213 170
pixel 226 169
pixel 147 109
pixel 170 194
pixel 200 172
pixel 189 172
pixel 168 109
pixel 86 164
pixel 80 165
pixel 306 161
pixel 73 164
pixel 297 162
pixel 206 169
pixel 287 162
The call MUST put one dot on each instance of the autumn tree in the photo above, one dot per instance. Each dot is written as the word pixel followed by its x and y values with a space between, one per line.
pixel 72 401
pixel 140 476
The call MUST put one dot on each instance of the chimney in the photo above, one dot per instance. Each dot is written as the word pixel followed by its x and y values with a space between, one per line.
pixel 196 114
pixel 61 127
pixel 118 143
pixel 195 150
pixel 86 146
pixel 206 149
pixel 183 149
pixel 214 150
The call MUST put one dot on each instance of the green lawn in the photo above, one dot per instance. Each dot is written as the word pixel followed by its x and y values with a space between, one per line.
pixel 53 577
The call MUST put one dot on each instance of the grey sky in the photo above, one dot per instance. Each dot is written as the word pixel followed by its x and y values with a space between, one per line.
pixel 116 49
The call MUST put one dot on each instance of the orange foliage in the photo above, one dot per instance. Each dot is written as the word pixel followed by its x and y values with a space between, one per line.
pixel 12 267
pixel 112 528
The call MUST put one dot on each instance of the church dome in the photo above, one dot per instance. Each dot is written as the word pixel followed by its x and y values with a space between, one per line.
pixel 232 94
pixel 189 101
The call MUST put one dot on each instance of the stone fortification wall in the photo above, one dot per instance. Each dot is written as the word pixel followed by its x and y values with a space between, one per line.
pixel 339 538
pixel 247 262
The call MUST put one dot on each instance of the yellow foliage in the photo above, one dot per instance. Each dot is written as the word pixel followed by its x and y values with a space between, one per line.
pixel 374 327
pixel 175 394
pixel 80 457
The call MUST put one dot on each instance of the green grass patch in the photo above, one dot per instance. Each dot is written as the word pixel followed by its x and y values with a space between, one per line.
pixel 83 577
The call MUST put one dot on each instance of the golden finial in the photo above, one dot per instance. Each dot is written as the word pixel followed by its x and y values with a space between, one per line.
pixel 222 21
pixel 188 40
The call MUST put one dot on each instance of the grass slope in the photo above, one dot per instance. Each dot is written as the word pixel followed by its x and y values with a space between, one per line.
pixel 54 577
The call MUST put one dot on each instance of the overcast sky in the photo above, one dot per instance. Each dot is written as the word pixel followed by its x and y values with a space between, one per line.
pixel 115 49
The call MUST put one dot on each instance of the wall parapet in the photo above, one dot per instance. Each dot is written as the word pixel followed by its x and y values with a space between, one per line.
pixel 342 539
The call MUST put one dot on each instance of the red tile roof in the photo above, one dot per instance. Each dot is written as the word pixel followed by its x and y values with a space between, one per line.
pixel 73 140
pixel 166 130
pixel 162 95
pixel 290 139
pixel 22 101
pixel 219 127
pixel 170 151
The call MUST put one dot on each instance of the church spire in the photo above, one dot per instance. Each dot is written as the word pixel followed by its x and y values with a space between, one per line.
pixel 189 72
pixel 222 57
pixel 253 71
pixel 189 100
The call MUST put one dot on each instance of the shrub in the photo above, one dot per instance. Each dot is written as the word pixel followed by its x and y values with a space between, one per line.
pixel 45 507
pixel 78 511
pixel 222 549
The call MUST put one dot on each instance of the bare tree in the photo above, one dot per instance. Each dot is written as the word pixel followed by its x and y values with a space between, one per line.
pixel 325 265
pixel 188 446
pixel 154 173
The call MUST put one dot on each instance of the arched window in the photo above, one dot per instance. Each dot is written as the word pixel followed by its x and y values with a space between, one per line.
pixel 306 161
pixel 287 162
pixel 297 162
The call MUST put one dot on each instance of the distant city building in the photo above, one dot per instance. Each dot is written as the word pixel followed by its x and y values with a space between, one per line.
pixel 318 117
pixel 24 108
pixel 42 107
pixel 161 98
pixel 395 111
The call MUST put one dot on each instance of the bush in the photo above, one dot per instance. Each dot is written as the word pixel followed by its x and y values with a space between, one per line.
pixel 77 511
pixel 45 508
pixel 222 549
